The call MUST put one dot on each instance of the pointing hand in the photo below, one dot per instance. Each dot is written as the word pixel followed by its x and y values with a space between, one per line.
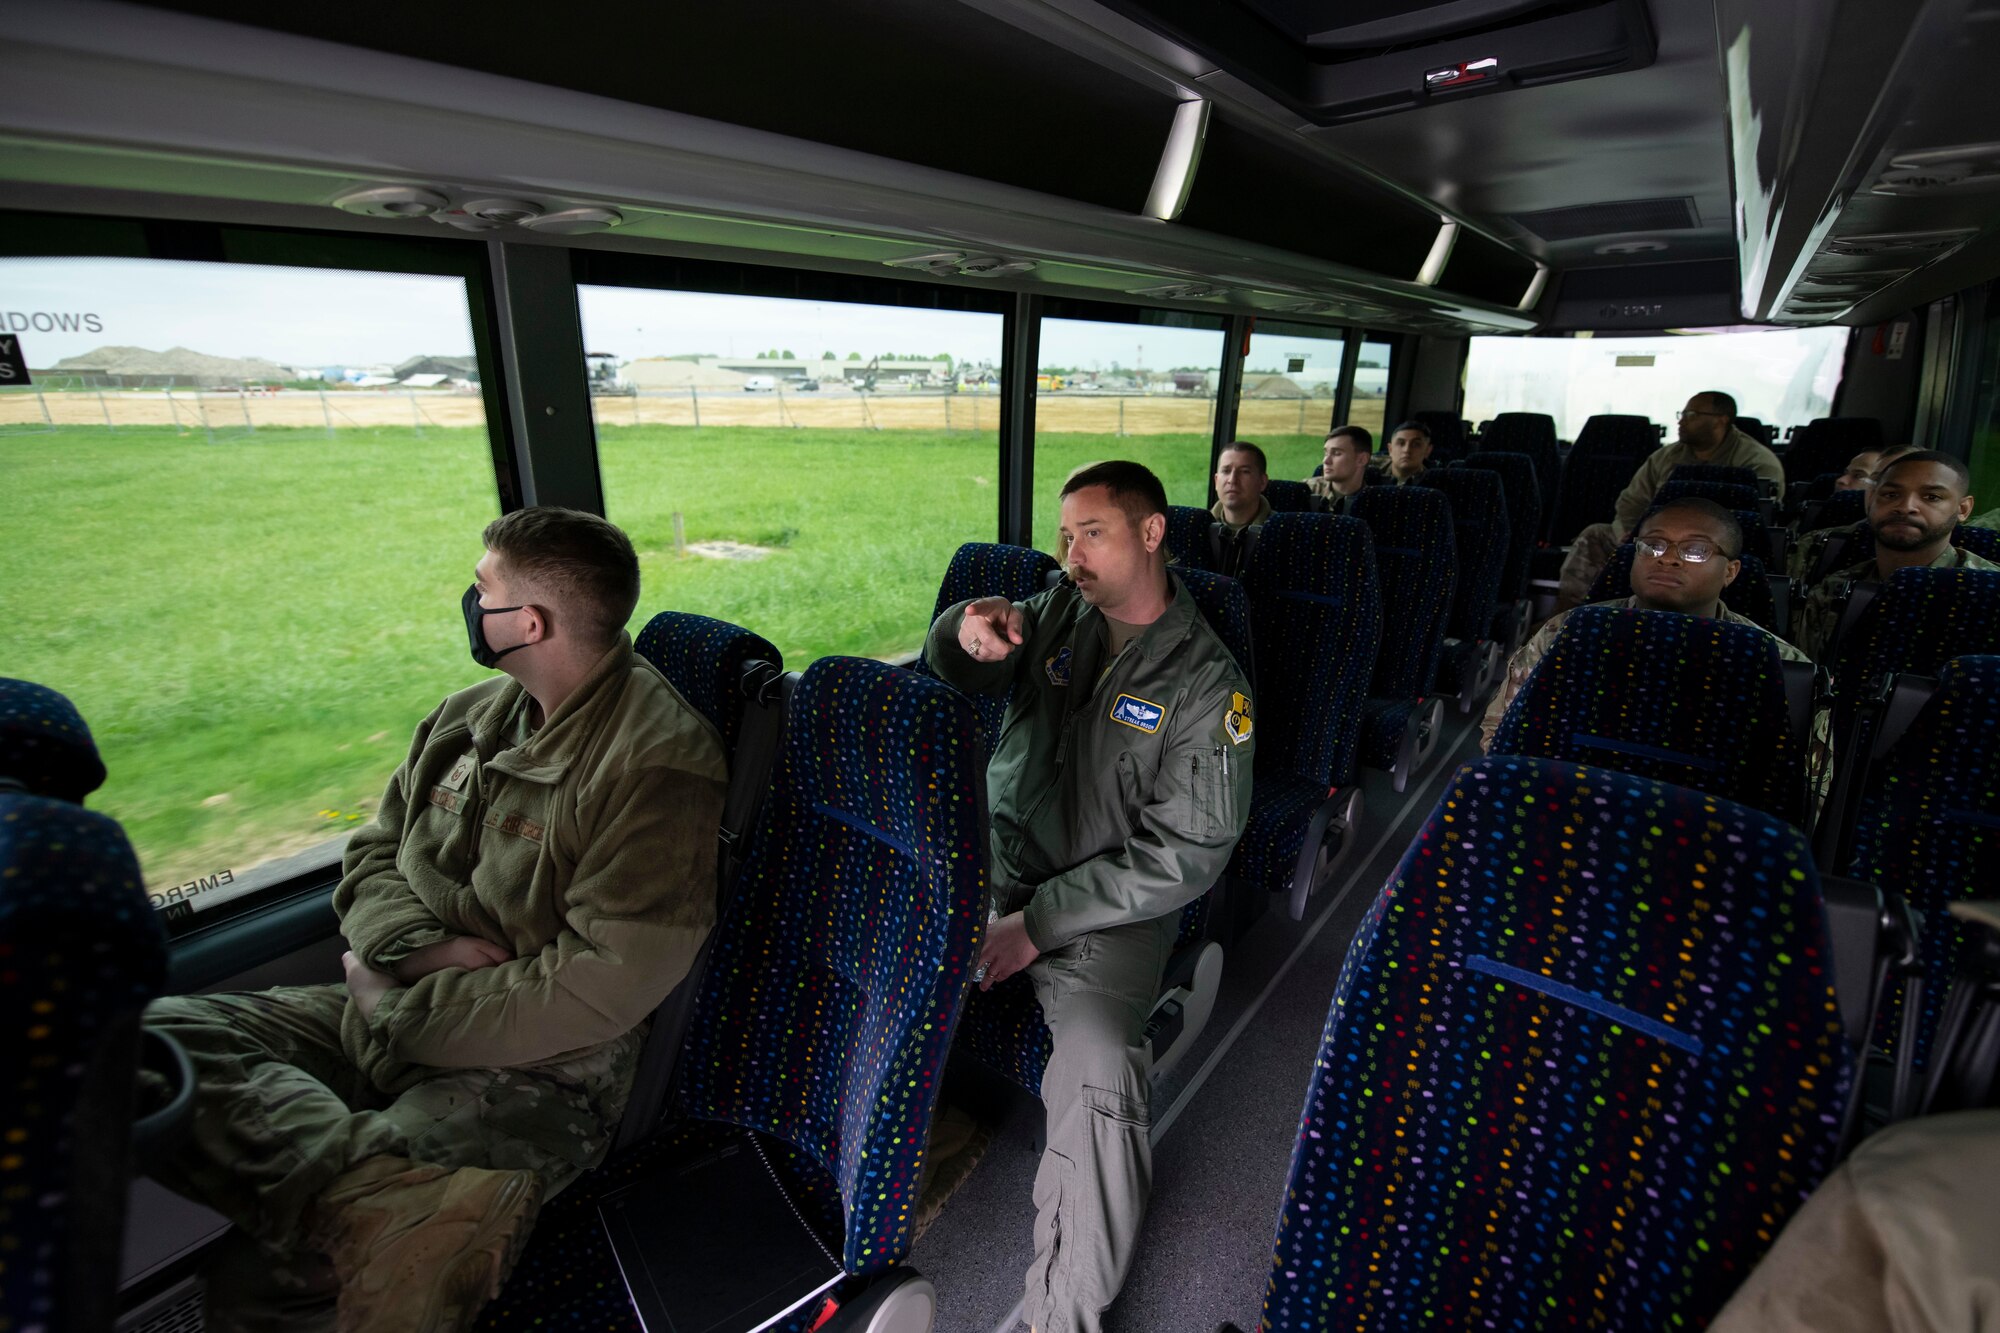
pixel 991 629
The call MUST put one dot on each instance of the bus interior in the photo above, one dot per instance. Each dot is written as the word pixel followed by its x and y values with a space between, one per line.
pixel 821 304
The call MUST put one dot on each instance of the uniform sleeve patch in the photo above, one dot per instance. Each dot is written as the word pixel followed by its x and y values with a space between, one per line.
pixel 1137 713
pixel 1236 718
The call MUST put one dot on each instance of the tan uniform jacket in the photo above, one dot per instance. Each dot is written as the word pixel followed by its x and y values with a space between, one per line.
pixel 1263 513
pixel 1736 450
pixel 585 848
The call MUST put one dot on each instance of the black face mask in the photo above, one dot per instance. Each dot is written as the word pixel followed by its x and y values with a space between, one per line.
pixel 475 627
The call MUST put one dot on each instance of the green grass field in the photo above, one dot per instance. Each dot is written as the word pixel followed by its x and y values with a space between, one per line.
pixel 254 627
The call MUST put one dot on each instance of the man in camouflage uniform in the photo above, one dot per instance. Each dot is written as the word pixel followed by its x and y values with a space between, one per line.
pixel 1809 550
pixel 539 877
pixel 1344 469
pixel 1918 499
pixel 1241 475
pixel 1671 580
pixel 1409 450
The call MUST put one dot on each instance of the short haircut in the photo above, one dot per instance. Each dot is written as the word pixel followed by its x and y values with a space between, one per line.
pixel 1359 434
pixel 1718 401
pixel 1417 426
pixel 1889 452
pixel 582 562
pixel 1959 470
pixel 1245 447
pixel 1732 529
pixel 1133 487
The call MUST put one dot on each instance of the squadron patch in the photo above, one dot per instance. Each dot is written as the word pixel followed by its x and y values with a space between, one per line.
pixel 1058 667
pixel 1236 719
pixel 1137 713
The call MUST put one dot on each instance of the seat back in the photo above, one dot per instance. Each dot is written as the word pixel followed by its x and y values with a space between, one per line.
pixel 45 745
pixel 1591 482
pixel 1316 613
pixel 1521 490
pixel 989 569
pixel 1755 429
pixel 1920 619
pixel 1533 434
pixel 1226 607
pixel 1982 542
pixel 736 680
pixel 1582 1062
pixel 1187 536
pixel 1447 434
pixel 81 953
pixel 838 975
pixel 1416 563
pixel 1617 433
pixel 1700 703
pixel 1841 509
pixel 1825 445
pixel 1730 495
pixel 1749 596
pixel 1731 476
pixel 1288 497
pixel 1926 826
pixel 1479 528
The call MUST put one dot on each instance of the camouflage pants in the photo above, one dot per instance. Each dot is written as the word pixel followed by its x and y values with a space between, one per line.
pixel 1588 555
pixel 281 1111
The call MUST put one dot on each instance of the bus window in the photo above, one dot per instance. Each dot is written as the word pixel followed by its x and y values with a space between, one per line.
pixel 1143 390
pixel 245 501
pixel 802 468
pixel 1370 400
pixel 1290 380
pixel 1984 457
pixel 1782 377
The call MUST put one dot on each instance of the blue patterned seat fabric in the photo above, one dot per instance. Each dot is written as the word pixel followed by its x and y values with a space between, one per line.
pixel 1582 1062
pixel 1827 443
pixel 1620 688
pixel 1749 595
pixel 1926 827
pixel 1617 433
pixel 704 659
pixel 1288 497
pixel 1003 1027
pixel 45 745
pixel 1591 483
pixel 1521 490
pixel 1317 607
pixel 837 977
pixel 81 953
pixel 988 569
pixel 1533 434
pixel 1416 563
pixel 1187 536
pixel 1447 431
pixel 1982 542
pixel 1921 619
pixel 1480 531
pixel 1729 495
pixel 1839 510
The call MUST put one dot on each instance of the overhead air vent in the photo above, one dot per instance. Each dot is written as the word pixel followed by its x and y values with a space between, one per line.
pixel 1967 166
pixel 1626 216
pixel 1180 291
pixel 1924 245
pixel 956 263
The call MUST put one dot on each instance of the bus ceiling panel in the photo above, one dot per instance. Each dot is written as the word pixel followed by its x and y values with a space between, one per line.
pixel 1333 62
pixel 145 104
pixel 1646 297
pixel 1867 158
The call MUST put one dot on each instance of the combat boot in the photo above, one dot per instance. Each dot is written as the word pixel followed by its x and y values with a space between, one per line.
pixel 420 1249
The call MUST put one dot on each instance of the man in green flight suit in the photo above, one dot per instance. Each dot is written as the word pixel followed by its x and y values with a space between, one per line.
pixel 539 876
pixel 1119 789
pixel 1917 501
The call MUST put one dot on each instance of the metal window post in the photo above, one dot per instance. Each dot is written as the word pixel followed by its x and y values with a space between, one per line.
pixel 540 335
pixel 1021 336
pixel 1228 391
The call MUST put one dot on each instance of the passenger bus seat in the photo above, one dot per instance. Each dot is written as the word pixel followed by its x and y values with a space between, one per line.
pixel 1416 564
pixel 1583 1060
pixel 1521 491
pixel 1696 702
pixel 989 569
pixel 834 988
pixel 1288 497
pixel 1469 660
pixel 1188 542
pixel 1532 434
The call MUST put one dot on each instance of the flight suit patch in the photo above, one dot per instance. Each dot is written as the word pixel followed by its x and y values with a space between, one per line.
pixel 1139 714
pixel 1236 719
pixel 447 800
pixel 1058 667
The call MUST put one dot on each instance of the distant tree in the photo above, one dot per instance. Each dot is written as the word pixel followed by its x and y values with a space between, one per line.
pixel 789 356
pixel 829 357
pixel 854 356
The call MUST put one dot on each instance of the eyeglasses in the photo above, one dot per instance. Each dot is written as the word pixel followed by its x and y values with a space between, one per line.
pixel 1696 550
pixel 1685 413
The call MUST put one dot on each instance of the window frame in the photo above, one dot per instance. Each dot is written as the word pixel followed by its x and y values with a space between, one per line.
pixel 39 235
